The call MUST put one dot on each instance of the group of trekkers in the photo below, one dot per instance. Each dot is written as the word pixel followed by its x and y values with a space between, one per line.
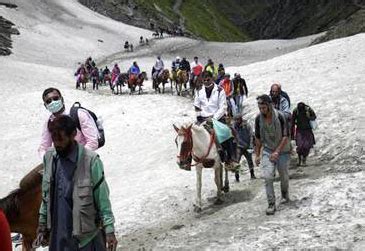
pixel 274 128
pixel 113 78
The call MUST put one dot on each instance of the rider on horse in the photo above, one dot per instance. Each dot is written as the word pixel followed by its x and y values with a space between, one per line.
pixel 196 68
pixel 134 71
pixel 115 73
pixel 80 75
pixel 211 68
pixel 158 67
pixel 210 103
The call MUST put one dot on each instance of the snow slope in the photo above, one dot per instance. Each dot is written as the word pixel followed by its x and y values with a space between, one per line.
pixel 152 198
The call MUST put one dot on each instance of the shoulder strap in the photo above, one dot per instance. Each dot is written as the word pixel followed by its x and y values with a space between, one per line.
pixel 74 114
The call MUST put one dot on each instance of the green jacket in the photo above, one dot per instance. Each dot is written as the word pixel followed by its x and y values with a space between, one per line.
pixel 90 196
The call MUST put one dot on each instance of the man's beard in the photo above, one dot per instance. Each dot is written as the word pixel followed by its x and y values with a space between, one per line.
pixel 63 152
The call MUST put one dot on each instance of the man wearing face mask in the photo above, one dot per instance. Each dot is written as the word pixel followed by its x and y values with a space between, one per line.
pixel 54 103
pixel 75 204
pixel 210 103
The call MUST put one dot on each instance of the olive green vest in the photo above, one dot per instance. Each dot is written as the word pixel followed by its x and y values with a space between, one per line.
pixel 84 213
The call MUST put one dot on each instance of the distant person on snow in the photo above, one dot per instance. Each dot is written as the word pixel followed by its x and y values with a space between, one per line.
pixel 95 77
pixel 175 66
pixel 115 74
pixel 134 71
pixel 196 68
pixel 210 67
pixel 158 67
pixel 272 139
pixel 54 103
pixel 80 74
pixel 302 131
pixel 240 91
pixel 221 73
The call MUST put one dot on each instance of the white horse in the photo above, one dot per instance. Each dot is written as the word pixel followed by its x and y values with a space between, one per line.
pixel 195 142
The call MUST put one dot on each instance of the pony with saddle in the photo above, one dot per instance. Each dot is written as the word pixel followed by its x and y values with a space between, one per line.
pixel 182 78
pixel 21 207
pixel 135 81
pixel 82 79
pixel 195 143
pixel 161 78
pixel 119 82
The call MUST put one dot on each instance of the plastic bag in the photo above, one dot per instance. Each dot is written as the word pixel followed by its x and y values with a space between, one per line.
pixel 313 124
pixel 222 131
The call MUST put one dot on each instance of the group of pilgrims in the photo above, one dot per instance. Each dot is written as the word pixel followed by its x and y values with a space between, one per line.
pixel 220 97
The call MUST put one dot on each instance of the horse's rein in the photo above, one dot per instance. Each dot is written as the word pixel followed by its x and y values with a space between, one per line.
pixel 189 138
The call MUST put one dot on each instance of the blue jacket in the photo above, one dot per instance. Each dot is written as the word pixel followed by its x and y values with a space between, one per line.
pixel 134 70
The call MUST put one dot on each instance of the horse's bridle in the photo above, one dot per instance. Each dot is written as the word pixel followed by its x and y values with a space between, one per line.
pixel 188 141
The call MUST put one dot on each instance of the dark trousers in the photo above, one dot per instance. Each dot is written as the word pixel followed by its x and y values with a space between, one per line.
pixel 229 151
pixel 95 84
pixel 242 151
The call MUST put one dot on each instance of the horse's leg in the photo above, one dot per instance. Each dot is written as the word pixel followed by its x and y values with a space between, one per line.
pixel 226 181
pixel 198 205
pixel 163 87
pixel 218 182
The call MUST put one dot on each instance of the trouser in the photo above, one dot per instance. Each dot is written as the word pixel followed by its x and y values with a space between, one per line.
pixel 238 100
pixel 96 244
pixel 268 171
pixel 95 84
pixel 243 151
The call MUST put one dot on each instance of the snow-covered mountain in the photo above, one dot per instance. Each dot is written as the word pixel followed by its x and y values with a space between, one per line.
pixel 152 199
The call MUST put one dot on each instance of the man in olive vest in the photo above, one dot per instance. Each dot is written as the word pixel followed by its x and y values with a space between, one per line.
pixel 75 203
pixel 271 134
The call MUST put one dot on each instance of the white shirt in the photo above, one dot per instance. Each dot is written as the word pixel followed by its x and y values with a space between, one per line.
pixel 215 106
pixel 159 65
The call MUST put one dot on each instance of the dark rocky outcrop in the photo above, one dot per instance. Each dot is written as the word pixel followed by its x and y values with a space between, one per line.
pixel 6 30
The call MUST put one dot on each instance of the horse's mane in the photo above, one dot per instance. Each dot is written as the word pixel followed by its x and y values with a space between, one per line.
pixel 10 203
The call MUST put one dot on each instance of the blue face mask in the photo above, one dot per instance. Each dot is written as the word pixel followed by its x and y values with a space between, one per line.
pixel 55 106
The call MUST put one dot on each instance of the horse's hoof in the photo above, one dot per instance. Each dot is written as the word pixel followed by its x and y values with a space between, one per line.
pixel 197 209
pixel 226 189
pixel 218 201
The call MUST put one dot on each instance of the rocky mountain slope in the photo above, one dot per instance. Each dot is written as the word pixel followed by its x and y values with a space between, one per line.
pixel 6 30
pixel 239 20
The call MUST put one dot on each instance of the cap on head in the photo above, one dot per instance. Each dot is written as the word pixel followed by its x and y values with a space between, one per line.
pixel 177 58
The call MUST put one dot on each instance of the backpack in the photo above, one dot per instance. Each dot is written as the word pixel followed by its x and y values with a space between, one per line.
pixel 73 114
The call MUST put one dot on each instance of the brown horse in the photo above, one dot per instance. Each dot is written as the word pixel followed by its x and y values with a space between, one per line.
pixel 182 79
pixel 21 206
pixel 196 84
pixel 162 78
pixel 82 79
pixel 135 81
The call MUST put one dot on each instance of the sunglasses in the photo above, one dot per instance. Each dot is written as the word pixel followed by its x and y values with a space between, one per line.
pixel 56 98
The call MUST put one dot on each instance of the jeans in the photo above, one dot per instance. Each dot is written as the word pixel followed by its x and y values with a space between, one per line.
pixel 268 171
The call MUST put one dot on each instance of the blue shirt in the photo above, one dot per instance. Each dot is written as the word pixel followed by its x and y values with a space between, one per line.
pixel 61 232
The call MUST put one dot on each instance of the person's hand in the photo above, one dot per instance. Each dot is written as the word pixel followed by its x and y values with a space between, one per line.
pixel 257 160
pixel 42 237
pixel 209 120
pixel 274 156
pixel 111 242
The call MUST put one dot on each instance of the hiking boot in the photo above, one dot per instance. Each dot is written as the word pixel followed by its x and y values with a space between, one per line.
pixel 299 160
pixel 271 209
pixel 304 161
pixel 284 198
